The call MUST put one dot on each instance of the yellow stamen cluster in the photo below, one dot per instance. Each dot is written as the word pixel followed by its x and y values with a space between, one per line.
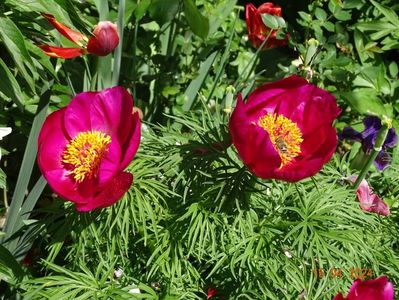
pixel 84 153
pixel 284 134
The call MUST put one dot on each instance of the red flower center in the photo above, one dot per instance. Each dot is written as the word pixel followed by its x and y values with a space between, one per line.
pixel 284 134
pixel 84 153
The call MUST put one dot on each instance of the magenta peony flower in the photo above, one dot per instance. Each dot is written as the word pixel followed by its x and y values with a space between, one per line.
pixel 284 130
pixel 84 148
pixel 368 200
pixel 375 289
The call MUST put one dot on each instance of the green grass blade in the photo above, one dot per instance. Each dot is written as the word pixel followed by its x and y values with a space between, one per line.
pixel 28 162
pixel 15 44
pixel 118 50
pixel 195 85
pixel 9 86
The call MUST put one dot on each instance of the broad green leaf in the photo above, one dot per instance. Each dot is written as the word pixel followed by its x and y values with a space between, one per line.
pixel 359 45
pixel 41 60
pixel 220 14
pixel 62 10
pixel 129 10
pixel 103 9
pixel 14 218
pixel 343 15
pixel 349 4
pixel 306 17
pixel 198 23
pixel 15 44
pixel 366 101
pixel 389 44
pixel 118 51
pixel 393 69
pixel 163 11
pixel 311 50
pixel 387 12
pixel 66 10
pixel 10 269
pixel 334 6
pixel 270 21
pixel 320 14
pixel 375 26
pixel 329 26
pixel 141 9
pixel 195 85
pixel 3 179
pixel 9 85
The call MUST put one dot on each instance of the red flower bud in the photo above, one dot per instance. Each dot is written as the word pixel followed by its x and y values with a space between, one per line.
pixel 257 30
pixel 105 39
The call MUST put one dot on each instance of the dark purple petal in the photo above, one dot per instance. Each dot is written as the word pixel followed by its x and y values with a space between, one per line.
pixel 372 123
pixel 348 133
pixel 372 126
pixel 392 139
pixel 382 160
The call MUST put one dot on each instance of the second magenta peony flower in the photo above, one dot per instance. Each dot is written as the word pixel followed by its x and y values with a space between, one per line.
pixel 284 130
pixel 84 148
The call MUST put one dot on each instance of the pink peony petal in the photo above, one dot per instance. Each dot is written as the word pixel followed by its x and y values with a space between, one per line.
pixel 374 289
pixel 51 145
pixel 109 194
pixel 77 117
pixel 321 103
pixel 132 143
pixel 339 297
pixel 112 112
pixel 369 201
pixel 110 164
pixel 252 142
pixel 266 96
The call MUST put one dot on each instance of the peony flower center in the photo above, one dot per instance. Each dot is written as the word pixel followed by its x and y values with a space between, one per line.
pixel 84 153
pixel 284 134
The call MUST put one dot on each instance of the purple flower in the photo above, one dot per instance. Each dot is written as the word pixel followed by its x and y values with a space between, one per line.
pixel 367 137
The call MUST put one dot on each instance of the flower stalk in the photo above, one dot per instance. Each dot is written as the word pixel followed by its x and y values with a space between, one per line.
pixel 379 142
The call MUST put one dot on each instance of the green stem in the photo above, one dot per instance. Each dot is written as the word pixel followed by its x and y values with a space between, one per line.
pixel 5 199
pixel 252 62
pixel 382 134
pixel 68 79
pixel 118 50
pixel 134 49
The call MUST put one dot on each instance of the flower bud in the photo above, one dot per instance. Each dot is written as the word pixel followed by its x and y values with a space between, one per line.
pixel 104 40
